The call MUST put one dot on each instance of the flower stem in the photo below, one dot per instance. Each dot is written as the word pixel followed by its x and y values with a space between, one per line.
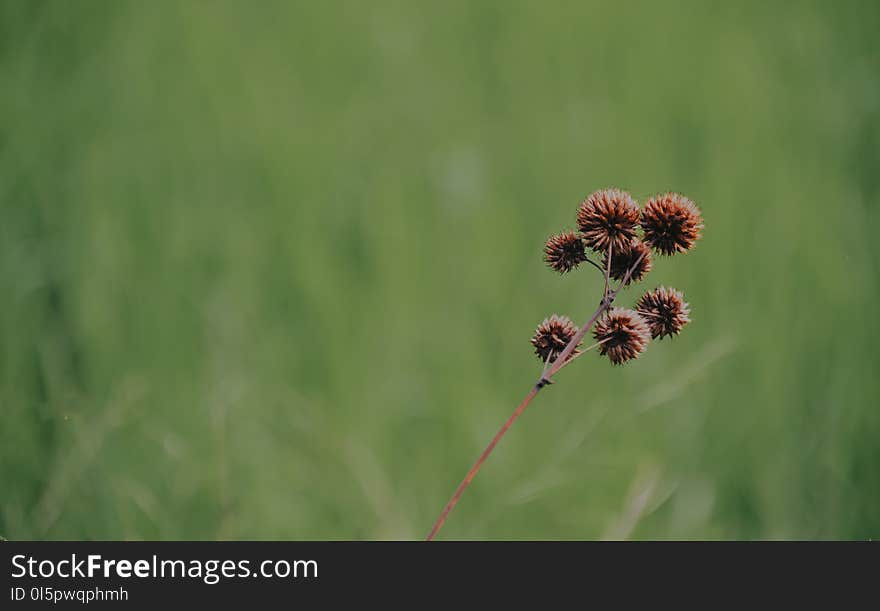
pixel 561 360
pixel 606 302
pixel 473 471
pixel 607 271
pixel 585 350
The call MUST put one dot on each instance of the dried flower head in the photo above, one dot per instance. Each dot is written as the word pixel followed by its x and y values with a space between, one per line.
pixel 624 334
pixel 607 217
pixel 665 310
pixel 564 252
pixel 552 336
pixel 636 254
pixel 672 223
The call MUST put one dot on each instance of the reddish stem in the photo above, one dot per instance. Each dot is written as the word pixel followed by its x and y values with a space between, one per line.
pixel 561 360
pixel 470 474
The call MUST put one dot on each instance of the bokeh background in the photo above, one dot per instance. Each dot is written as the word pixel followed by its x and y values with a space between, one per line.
pixel 269 271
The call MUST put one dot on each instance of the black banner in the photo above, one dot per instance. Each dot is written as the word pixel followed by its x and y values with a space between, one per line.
pixel 138 573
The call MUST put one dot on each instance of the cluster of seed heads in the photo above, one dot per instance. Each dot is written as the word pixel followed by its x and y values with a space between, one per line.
pixel 611 224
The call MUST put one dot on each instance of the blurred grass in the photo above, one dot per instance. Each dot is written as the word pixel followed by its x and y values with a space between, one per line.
pixel 270 272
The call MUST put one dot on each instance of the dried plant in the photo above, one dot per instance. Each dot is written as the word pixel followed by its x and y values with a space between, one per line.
pixel 611 224
pixel 622 335
pixel 671 223
pixel 552 336
pixel 608 218
pixel 564 252
pixel 636 256
pixel 665 311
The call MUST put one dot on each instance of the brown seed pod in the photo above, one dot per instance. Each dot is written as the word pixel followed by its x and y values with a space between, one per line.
pixel 624 334
pixel 608 217
pixel 564 252
pixel 665 310
pixel 672 223
pixel 623 260
pixel 552 336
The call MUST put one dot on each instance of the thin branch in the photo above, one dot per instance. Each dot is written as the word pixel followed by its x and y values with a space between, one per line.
pixel 561 361
pixel 629 273
pixel 585 350
pixel 607 271
pixel 546 363
pixel 606 302
pixel 475 469
pixel 596 265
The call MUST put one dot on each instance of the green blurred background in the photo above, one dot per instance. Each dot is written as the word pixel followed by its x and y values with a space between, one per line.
pixel 270 270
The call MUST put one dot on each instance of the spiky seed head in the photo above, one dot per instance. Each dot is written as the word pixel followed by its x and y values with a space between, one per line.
pixel 607 217
pixel 564 252
pixel 665 310
pixel 635 254
pixel 671 223
pixel 552 336
pixel 624 334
